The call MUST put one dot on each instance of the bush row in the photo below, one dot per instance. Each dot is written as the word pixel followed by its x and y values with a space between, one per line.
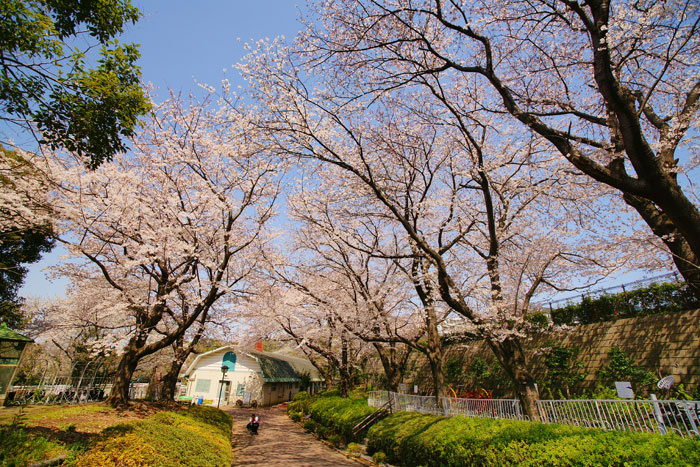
pixel 654 299
pixel 412 440
pixel 199 436
pixel 332 416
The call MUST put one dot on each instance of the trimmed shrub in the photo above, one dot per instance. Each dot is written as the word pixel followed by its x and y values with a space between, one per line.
pixel 300 396
pixel 310 425
pixel 295 416
pixel 336 440
pixel 322 432
pixel 354 449
pixel 378 458
pixel 198 436
pixel 411 440
pixel 340 414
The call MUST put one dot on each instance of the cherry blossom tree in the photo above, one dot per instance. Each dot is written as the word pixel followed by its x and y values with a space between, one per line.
pixel 498 217
pixel 25 228
pixel 613 86
pixel 387 284
pixel 304 310
pixel 171 228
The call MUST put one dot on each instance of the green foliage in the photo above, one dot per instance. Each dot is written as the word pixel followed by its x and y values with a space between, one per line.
pixel 354 449
pixel 336 440
pixel 482 374
pixel 300 403
pixel 378 458
pixel 322 431
pixel 310 425
pixel 538 320
pixel 20 448
pixel 654 299
pixel 46 81
pixel 411 439
pixel 304 381
pixel 199 436
pixel 453 371
pixel 563 371
pixel 295 416
pixel 620 367
pixel 340 415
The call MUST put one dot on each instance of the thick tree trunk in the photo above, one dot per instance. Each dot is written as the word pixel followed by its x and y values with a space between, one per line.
pixel 510 353
pixel 436 369
pixel 171 377
pixel 683 256
pixel 119 395
pixel 393 363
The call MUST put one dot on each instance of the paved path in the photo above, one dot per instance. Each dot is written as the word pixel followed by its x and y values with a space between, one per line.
pixel 280 442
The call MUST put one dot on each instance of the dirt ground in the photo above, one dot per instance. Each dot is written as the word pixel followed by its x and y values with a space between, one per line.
pixel 280 442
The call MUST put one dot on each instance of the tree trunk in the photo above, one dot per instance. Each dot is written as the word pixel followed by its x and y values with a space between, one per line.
pixel 436 369
pixel 119 395
pixel 344 371
pixel 393 363
pixel 683 256
pixel 510 353
pixel 435 354
pixel 171 377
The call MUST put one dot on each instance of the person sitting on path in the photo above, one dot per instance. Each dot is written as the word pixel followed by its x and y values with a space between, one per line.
pixel 253 424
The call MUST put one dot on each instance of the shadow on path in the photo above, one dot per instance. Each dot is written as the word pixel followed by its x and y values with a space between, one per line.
pixel 280 442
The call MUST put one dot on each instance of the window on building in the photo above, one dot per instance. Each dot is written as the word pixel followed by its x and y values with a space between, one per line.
pixel 273 387
pixel 202 385
pixel 240 389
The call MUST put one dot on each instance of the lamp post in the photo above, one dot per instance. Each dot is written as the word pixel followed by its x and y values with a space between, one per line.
pixel 224 369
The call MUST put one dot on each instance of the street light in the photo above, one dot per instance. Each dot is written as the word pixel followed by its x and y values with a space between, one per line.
pixel 224 369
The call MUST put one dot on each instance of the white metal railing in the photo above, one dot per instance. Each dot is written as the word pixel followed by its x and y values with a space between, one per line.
pixel 654 416
pixel 60 390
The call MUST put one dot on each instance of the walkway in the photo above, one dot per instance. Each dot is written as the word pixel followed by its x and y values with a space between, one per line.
pixel 280 442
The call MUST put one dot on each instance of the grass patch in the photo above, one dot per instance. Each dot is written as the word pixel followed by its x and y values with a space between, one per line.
pixel 20 447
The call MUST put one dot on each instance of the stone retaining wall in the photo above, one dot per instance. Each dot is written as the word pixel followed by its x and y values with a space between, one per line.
pixel 670 341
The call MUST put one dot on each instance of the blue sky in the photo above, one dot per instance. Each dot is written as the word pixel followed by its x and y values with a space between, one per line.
pixel 184 43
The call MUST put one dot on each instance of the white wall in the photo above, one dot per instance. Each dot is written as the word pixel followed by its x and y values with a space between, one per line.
pixel 209 368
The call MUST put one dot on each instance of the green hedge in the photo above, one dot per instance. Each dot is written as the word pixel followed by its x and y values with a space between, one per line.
pixel 340 415
pixel 334 415
pixel 654 299
pixel 412 440
pixel 199 436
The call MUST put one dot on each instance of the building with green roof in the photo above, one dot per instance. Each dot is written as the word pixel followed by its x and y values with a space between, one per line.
pixel 252 377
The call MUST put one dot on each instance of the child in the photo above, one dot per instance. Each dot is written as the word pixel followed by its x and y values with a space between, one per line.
pixel 253 424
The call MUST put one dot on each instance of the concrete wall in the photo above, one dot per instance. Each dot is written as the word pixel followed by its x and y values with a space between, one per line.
pixel 670 341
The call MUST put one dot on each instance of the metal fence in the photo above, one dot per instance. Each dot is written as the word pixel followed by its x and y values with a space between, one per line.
pixel 653 416
pixel 60 390
pixel 627 286
pixel 76 390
